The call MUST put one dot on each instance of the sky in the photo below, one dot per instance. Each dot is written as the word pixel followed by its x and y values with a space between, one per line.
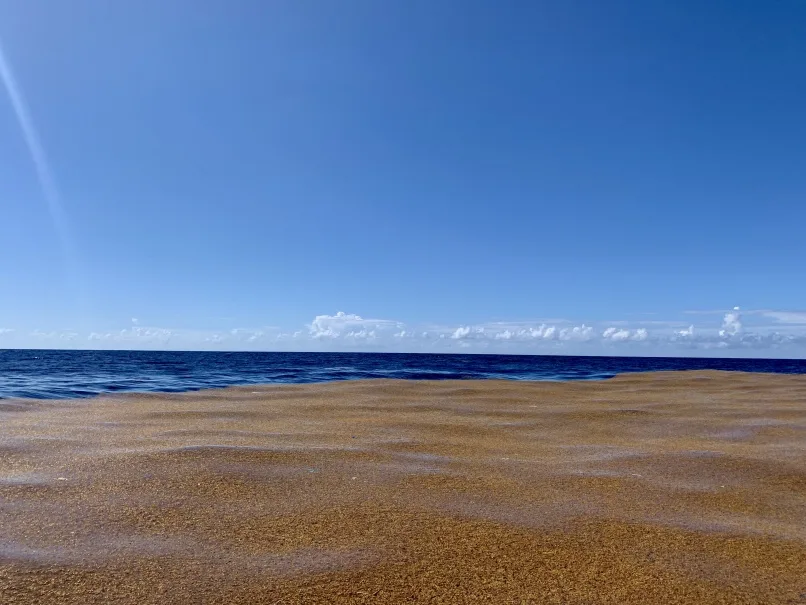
pixel 581 177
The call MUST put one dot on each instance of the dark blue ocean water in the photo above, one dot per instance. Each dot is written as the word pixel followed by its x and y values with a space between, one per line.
pixel 71 374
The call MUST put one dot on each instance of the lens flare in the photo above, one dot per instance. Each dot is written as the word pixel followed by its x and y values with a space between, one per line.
pixel 40 160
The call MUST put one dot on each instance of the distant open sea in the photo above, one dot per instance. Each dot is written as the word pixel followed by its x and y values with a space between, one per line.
pixel 74 374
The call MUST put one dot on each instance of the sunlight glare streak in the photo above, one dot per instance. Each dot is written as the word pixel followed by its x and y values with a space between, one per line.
pixel 44 174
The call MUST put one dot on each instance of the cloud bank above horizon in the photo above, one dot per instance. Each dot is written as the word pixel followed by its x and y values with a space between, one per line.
pixel 767 333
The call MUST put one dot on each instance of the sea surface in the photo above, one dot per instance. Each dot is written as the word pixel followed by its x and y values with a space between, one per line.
pixel 74 374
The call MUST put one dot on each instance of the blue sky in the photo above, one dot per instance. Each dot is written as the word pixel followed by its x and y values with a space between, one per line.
pixel 546 177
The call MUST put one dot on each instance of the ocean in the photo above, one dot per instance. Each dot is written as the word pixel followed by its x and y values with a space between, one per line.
pixel 48 374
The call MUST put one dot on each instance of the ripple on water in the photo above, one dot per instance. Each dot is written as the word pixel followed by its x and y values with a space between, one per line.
pixel 77 374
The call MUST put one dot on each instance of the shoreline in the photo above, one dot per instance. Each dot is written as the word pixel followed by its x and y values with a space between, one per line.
pixel 651 376
pixel 667 487
pixel 85 374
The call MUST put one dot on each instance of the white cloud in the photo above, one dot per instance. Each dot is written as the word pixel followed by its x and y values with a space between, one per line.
pixel 285 336
pixel 344 331
pixel 132 337
pixel 461 332
pixel 349 325
pixel 469 333
pixel 293 336
pixel 330 326
pixel 786 317
pixel 520 333
pixel 55 335
pixel 135 321
pixel 361 334
pixel 6 330
pixel 613 334
pixel 732 334
pixel 580 333
pixel 731 324
pixel 147 334
pixel 616 334
pixel 245 335
pixel 532 332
